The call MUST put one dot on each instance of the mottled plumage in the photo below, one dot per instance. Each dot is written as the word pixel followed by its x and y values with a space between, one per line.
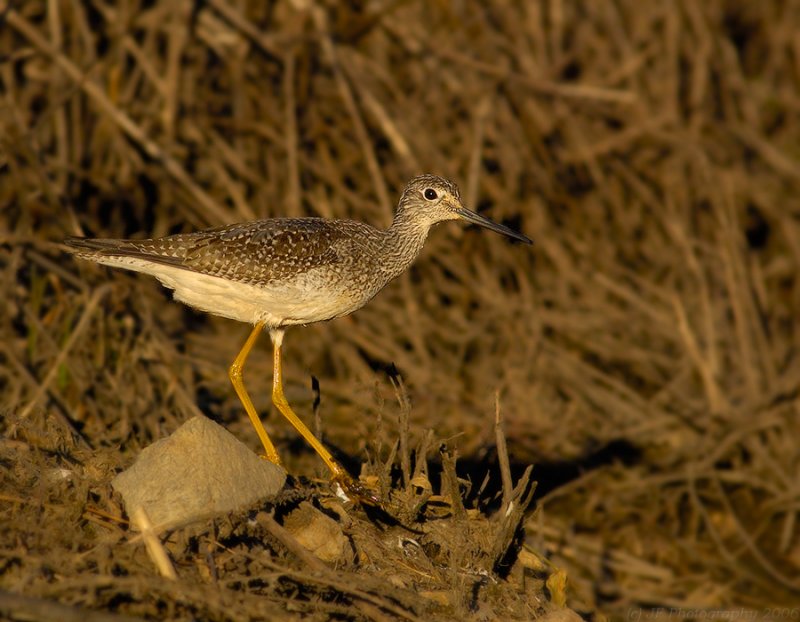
pixel 281 272
pixel 285 271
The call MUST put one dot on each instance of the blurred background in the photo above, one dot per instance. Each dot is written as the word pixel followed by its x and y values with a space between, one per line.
pixel 643 353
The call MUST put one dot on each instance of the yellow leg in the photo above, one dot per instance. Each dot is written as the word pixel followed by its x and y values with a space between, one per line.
pixel 338 472
pixel 279 399
pixel 235 374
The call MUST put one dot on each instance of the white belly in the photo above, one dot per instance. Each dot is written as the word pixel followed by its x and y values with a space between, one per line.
pixel 307 298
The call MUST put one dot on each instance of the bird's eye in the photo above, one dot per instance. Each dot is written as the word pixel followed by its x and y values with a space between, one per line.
pixel 430 194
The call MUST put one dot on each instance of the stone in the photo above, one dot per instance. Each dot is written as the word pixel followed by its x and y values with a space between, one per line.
pixel 199 471
pixel 317 532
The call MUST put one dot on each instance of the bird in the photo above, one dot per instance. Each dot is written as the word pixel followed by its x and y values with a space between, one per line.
pixel 277 273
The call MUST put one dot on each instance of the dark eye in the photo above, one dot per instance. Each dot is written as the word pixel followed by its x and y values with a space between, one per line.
pixel 430 194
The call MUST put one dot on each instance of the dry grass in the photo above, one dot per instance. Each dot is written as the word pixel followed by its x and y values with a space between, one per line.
pixel 645 352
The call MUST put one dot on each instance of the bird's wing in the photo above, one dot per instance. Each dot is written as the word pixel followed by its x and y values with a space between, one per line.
pixel 258 252
pixel 265 251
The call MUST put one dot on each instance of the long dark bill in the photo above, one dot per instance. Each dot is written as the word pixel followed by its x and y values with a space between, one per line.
pixel 496 227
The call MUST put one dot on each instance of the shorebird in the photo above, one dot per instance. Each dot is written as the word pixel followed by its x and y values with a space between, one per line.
pixel 282 272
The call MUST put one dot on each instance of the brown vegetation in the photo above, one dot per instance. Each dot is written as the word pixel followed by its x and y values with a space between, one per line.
pixel 643 354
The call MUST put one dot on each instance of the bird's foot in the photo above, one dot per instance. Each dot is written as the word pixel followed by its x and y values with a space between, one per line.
pixel 274 459
pixel 353 489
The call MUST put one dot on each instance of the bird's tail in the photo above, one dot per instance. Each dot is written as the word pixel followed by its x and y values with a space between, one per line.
pixel 93 245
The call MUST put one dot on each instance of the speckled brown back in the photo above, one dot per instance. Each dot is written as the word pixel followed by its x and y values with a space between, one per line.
pixel 257 253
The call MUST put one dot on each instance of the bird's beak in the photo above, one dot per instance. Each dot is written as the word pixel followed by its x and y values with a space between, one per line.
pixel 477 219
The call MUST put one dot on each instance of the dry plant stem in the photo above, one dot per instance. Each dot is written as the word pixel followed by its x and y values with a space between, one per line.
pixel 745 303
pixel 565 91
pixel 511 516
pixel 293 203
pixel 268 45
pixel 450 484
pixel 67 420
pixel 405 408
pixel 591 549
pixel 723 548
pixel 315 407
pixel 57 269
pixel 329 49
pixel 502 452
pixel 386 473
pixel 715 399
pixel 77 333
pixel 750 545
pixel 481 116
pixel 421 462
pixel 390 128
pixel 769 153
pixel 209 210
pixel 182 395
pixel 155 549
pixel 62 144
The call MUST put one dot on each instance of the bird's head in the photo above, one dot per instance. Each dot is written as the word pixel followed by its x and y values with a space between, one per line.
pixel 430 199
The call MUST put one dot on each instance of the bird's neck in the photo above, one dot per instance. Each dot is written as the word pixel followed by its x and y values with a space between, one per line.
pixel 403 243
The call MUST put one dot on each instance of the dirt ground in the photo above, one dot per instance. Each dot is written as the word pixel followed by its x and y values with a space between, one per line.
pixel 642 355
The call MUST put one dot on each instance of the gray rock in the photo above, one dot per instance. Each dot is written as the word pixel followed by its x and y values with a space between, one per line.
pixel 200 471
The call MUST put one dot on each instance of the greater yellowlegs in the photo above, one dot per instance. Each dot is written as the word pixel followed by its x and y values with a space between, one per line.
pixel 280 272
